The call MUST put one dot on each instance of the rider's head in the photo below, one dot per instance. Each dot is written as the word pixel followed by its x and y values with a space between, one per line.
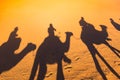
pixel 51 30
pixel 16 29
pixel 82 22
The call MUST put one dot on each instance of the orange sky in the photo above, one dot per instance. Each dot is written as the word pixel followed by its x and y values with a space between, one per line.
pixel 34 16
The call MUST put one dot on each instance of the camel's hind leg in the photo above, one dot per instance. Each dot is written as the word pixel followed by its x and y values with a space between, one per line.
pixel 42 71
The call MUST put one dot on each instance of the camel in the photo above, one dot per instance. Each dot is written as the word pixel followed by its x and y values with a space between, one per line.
pixel 91 36
pixel 8 57
pixel 51 51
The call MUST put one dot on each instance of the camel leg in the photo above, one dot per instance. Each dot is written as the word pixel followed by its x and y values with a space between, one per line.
pixel 93 52
pixel 97 65
pixel 60 75
pixel 34 68
pixel 66 59
pixel 112 48
pixel 110 68
pixel 42 71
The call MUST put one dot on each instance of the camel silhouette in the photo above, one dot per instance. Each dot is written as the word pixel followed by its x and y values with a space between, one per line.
pixel 8 57
pixel 90 36
pixel 115 24
pixel 51 51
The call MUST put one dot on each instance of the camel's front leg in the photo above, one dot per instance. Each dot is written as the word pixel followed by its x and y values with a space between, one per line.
pixel 66 59
pixel 116 51
pixel 60 75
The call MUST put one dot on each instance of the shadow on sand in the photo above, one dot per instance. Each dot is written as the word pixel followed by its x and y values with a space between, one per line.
pixel 90 36
pixel 115 24
pixel 51 51
pixel 8 57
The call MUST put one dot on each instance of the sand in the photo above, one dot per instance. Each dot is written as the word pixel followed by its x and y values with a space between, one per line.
pixel 82 66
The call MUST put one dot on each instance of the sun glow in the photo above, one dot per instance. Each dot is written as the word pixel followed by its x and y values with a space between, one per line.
pixel 35 16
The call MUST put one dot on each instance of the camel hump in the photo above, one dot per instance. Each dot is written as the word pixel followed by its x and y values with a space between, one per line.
pixel 69 33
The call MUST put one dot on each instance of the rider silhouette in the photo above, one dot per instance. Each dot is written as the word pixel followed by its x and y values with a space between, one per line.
pixel 49 52
pixel 13 34
pixel 55 45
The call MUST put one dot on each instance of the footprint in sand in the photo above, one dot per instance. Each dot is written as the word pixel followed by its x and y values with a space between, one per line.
pixel 68 68
pixel 49 74
pixel 77 58
pixel 117 62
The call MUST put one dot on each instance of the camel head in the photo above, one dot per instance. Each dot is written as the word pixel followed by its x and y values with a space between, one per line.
pixel 103 27
pixel 30 47
pixel 69 33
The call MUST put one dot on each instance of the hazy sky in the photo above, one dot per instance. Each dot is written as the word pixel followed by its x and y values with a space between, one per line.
pixel 56 10
pixel 34 16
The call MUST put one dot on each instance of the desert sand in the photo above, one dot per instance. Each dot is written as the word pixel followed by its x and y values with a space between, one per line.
pixel 33 23
pixel 82 66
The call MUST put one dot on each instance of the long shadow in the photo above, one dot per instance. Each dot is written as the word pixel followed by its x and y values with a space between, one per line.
pixel 8 57
pixel 115 24
pixel 51 51
pixel 91 36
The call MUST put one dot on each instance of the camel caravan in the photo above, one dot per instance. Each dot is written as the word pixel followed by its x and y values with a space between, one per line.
pixel 52 50
pixel 90 36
